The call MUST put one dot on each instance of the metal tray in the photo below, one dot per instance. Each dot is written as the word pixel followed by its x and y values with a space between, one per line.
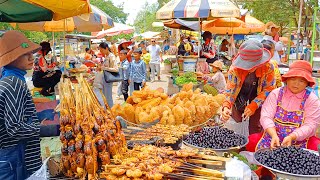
pixel 219 151
pixel 287 175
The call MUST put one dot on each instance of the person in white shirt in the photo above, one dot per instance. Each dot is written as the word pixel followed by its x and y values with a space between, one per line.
pixel 156 59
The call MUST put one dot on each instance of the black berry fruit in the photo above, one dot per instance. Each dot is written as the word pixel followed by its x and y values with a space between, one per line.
pixel 290 159
pixel 215 138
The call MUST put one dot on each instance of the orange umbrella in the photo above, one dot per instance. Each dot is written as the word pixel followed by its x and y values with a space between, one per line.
pixel 223 22
pixel 254 24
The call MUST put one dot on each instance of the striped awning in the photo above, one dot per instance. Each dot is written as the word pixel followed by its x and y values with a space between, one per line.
pixel 204 9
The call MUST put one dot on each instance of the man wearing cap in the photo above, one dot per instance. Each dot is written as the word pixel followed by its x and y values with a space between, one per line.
pixel 19 125
pixel 250 80
pixel 156 59
pixel 291 114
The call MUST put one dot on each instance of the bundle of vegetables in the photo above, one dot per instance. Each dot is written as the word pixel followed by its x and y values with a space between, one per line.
pixel 188 77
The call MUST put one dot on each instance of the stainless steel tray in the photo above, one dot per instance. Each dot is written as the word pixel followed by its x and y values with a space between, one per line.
pixel 287 175
pixel 219 151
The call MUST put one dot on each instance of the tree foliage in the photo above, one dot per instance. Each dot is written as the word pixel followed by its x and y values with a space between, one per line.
pixel 115 12
pixel 146 17
pixel 284 13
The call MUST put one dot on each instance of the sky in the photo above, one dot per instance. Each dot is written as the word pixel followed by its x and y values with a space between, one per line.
pixel 132 7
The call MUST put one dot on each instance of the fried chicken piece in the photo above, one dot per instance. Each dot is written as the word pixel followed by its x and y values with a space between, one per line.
pixel 155 113
pixel 171 120
pixel 163 96
pixel 197 91
pixel 134 173
pixel 178 113
pixel 152 103
pixel 144 117
pixel 130 100
pixel 165 117
pixel 136 100
pixel 187 119
pixel 118 171
pixel 136 115
pixel 129 112
pixel 187 87
pixel 220 98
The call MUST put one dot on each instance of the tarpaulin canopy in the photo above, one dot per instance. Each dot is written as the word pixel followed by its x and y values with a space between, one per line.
pixel 90 22
pixel 204 9
pixel 41 10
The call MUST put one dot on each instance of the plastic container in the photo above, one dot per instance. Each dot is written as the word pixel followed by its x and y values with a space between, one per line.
pixel 189 65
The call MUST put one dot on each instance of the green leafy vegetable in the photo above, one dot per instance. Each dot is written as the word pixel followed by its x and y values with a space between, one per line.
pixel 167 61
pixel 253 167
pixel 186 78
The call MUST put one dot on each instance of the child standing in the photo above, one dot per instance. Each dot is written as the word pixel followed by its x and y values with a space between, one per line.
pixel 138 70
pixel 146 57
pixel 125 66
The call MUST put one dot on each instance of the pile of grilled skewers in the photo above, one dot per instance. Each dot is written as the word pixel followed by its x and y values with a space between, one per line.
pixel 155 163
pixel 170 134
pixel 90 135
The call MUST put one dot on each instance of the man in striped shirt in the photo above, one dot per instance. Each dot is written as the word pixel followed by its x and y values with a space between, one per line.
pixel 19 125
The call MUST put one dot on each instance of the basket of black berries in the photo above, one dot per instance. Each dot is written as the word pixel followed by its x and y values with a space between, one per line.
pixel 216 138
pixel 290 162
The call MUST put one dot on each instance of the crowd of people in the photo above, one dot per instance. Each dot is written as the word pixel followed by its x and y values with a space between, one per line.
pixel 280 110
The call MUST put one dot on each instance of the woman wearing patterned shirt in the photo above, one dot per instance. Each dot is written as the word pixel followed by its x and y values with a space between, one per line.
pixel 250 80
pixel 19 125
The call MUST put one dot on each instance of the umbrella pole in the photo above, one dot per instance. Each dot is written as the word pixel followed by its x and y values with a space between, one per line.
pixel 200 31
pixel 54 46
pixel 64 44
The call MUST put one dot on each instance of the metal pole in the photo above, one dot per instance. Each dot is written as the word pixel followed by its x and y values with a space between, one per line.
pixel 313 34
pixel 298 32
pixel 200 31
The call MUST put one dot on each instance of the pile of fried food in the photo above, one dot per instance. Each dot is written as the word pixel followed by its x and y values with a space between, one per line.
pixel 169 133
pixel 186 107
pixel 155 163
pixel 90 135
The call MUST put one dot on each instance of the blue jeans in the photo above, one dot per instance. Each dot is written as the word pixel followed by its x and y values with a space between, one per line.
pixel 12 164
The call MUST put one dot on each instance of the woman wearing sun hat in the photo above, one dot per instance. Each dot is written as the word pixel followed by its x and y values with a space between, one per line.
pixel 250 80
pixel 218 81
pixel 19 124
pixel 291 114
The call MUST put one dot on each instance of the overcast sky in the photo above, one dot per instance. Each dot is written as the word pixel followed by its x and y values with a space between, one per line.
pixel 132 7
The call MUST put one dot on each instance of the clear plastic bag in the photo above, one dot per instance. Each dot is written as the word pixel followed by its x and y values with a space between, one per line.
pixel 236 169
pixel 42 173
pixel 240 128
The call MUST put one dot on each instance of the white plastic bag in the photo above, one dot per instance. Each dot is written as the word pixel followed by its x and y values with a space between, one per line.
pixel 240 128
pixel 98 80
pixel 236 169
pixel 42 173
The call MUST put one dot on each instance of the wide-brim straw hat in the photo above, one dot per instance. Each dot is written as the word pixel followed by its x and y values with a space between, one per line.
pixel 270 25
pixel 217 64
pixel 251 55
pixel 14 44
pixel 302 69
pixel 124 42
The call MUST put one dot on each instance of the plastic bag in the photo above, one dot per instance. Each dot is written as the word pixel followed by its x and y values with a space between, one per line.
pixel 236 169
pixel 239 128
pixel 42 173
pixel 98 80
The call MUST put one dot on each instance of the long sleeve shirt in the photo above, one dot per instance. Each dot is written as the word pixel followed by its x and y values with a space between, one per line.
pixel 292 102
pixel 219 81
pixel 138 71
pixel 19 121
pixel 126 68
pixel 265 85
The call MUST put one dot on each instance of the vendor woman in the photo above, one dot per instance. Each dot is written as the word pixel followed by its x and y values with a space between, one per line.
pixel 291 114
pixel 250 80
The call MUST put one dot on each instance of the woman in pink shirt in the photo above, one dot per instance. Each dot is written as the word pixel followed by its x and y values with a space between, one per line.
pixel 291 114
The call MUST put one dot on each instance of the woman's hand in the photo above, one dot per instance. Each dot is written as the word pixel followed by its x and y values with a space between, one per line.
pixel 247 113
pixel 226 114
pixel 275 142
pixel 287 141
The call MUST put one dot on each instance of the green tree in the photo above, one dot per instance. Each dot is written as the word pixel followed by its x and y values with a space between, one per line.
pixel 115 12
pixel 145 18
pixel 284 12
pixel 162 2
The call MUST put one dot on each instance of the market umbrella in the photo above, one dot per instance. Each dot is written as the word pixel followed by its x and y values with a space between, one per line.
pixel 182 24
pixel 203 9
pixel 41 10
pixel 89 22
pixel 116 30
